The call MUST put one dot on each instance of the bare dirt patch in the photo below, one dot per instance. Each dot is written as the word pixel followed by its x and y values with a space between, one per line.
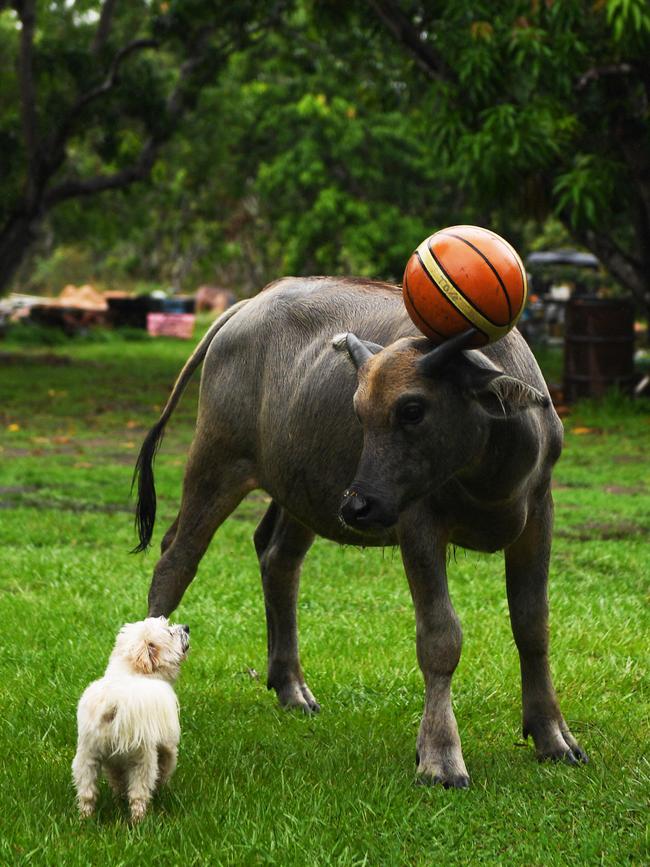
pixel 625 489
pixel 47 358
pixel 605 531
pixel 17 497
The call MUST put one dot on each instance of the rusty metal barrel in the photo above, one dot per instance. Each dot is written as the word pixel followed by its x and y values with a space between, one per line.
pixel 598 347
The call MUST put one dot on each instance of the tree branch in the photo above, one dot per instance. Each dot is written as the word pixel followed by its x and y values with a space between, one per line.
pixel 622 266
pixel 176 102
pixel 109 82
pixel 104 26
pixel 76 187
pixel 138 171
pixel 597 72
pixel 112 77
pixel 409 36
pixel 27 14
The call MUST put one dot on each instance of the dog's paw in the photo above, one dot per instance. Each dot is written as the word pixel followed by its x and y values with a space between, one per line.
pixel 86 808
pixel 138 810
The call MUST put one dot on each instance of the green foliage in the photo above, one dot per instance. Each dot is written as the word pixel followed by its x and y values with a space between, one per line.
pixel 312 142
pixel 522 114
pixel 587 189
pixel 629 19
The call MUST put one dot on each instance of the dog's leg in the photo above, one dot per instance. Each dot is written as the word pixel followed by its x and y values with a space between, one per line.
pixel 141 782
pixel 281 544
pixel 85 771
pixel 167 757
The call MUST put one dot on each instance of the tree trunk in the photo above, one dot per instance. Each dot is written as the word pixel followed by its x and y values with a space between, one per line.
pixel 16 237
pixel 631 273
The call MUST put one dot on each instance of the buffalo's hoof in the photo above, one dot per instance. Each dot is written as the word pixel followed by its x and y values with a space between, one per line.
pixel 458 781
pixel 574 755
pixel 298 696
pixel 450 774
pixel 555 743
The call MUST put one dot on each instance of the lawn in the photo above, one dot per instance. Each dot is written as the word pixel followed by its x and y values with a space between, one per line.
pixel 258 785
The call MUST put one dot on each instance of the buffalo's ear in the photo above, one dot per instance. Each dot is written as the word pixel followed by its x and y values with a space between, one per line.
pixel 359 350
pixel 497 392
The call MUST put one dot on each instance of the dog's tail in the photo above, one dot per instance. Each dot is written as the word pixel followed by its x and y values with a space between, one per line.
pixel 145 512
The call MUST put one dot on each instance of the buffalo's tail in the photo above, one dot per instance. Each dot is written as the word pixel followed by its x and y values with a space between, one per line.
pixel 145 512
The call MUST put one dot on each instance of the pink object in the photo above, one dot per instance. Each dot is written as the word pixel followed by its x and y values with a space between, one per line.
pixel 171 325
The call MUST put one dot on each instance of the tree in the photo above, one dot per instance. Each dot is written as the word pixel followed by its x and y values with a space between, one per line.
pixel 543 107
pixel 337 166
pixel 100 89
pixel 287 164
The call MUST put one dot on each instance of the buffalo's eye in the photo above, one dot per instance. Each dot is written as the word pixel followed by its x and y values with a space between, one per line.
pixel 411 412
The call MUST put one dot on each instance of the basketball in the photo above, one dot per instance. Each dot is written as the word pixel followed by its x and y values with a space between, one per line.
pixel 465 277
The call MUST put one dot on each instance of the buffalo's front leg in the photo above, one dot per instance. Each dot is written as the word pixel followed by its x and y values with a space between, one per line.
pixel 281 544
pixel 439 638
pixel 527 562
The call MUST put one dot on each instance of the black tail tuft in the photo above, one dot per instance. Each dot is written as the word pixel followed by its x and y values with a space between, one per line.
pixel 145 512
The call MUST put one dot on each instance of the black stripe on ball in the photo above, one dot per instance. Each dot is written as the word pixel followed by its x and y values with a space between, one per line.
pixel 490 266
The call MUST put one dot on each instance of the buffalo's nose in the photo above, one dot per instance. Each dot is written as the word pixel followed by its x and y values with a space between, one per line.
pixel 354 507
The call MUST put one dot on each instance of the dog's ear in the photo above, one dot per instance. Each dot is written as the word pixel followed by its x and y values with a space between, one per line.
pixel 145 657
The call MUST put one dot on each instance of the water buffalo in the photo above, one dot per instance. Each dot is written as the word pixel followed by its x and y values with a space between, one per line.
pixel 387 441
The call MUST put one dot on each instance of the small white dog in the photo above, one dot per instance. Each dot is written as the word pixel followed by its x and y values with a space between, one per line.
pixel 128 720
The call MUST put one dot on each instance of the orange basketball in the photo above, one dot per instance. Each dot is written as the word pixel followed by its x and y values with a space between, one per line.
pixel 465 277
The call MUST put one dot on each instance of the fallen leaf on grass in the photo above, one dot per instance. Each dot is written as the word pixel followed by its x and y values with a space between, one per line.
pixel 82 465
pixel 128 445
pixel 131 423
pixel 580 431
pixel 13 427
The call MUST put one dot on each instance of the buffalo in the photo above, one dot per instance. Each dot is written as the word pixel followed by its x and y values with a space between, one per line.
pixel 321 392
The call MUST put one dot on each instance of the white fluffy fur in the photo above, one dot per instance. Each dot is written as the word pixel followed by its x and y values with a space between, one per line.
pixel 128 720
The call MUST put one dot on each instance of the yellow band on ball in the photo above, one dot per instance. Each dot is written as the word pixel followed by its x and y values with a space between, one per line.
pixel 494 332
pixel 523 275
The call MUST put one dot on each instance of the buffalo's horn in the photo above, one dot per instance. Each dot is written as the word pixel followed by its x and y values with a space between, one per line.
pixel 359 350
pixel 435 359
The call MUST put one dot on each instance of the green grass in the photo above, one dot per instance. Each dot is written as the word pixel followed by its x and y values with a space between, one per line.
pixel 255 784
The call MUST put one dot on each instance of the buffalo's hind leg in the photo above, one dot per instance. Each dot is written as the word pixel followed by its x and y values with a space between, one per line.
pixel 527 562
pixel 281 543
pixel 213 487
pixel 438 641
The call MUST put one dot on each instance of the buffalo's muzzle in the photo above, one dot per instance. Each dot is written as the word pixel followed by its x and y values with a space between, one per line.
pixel 354 507
pixel 361 511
